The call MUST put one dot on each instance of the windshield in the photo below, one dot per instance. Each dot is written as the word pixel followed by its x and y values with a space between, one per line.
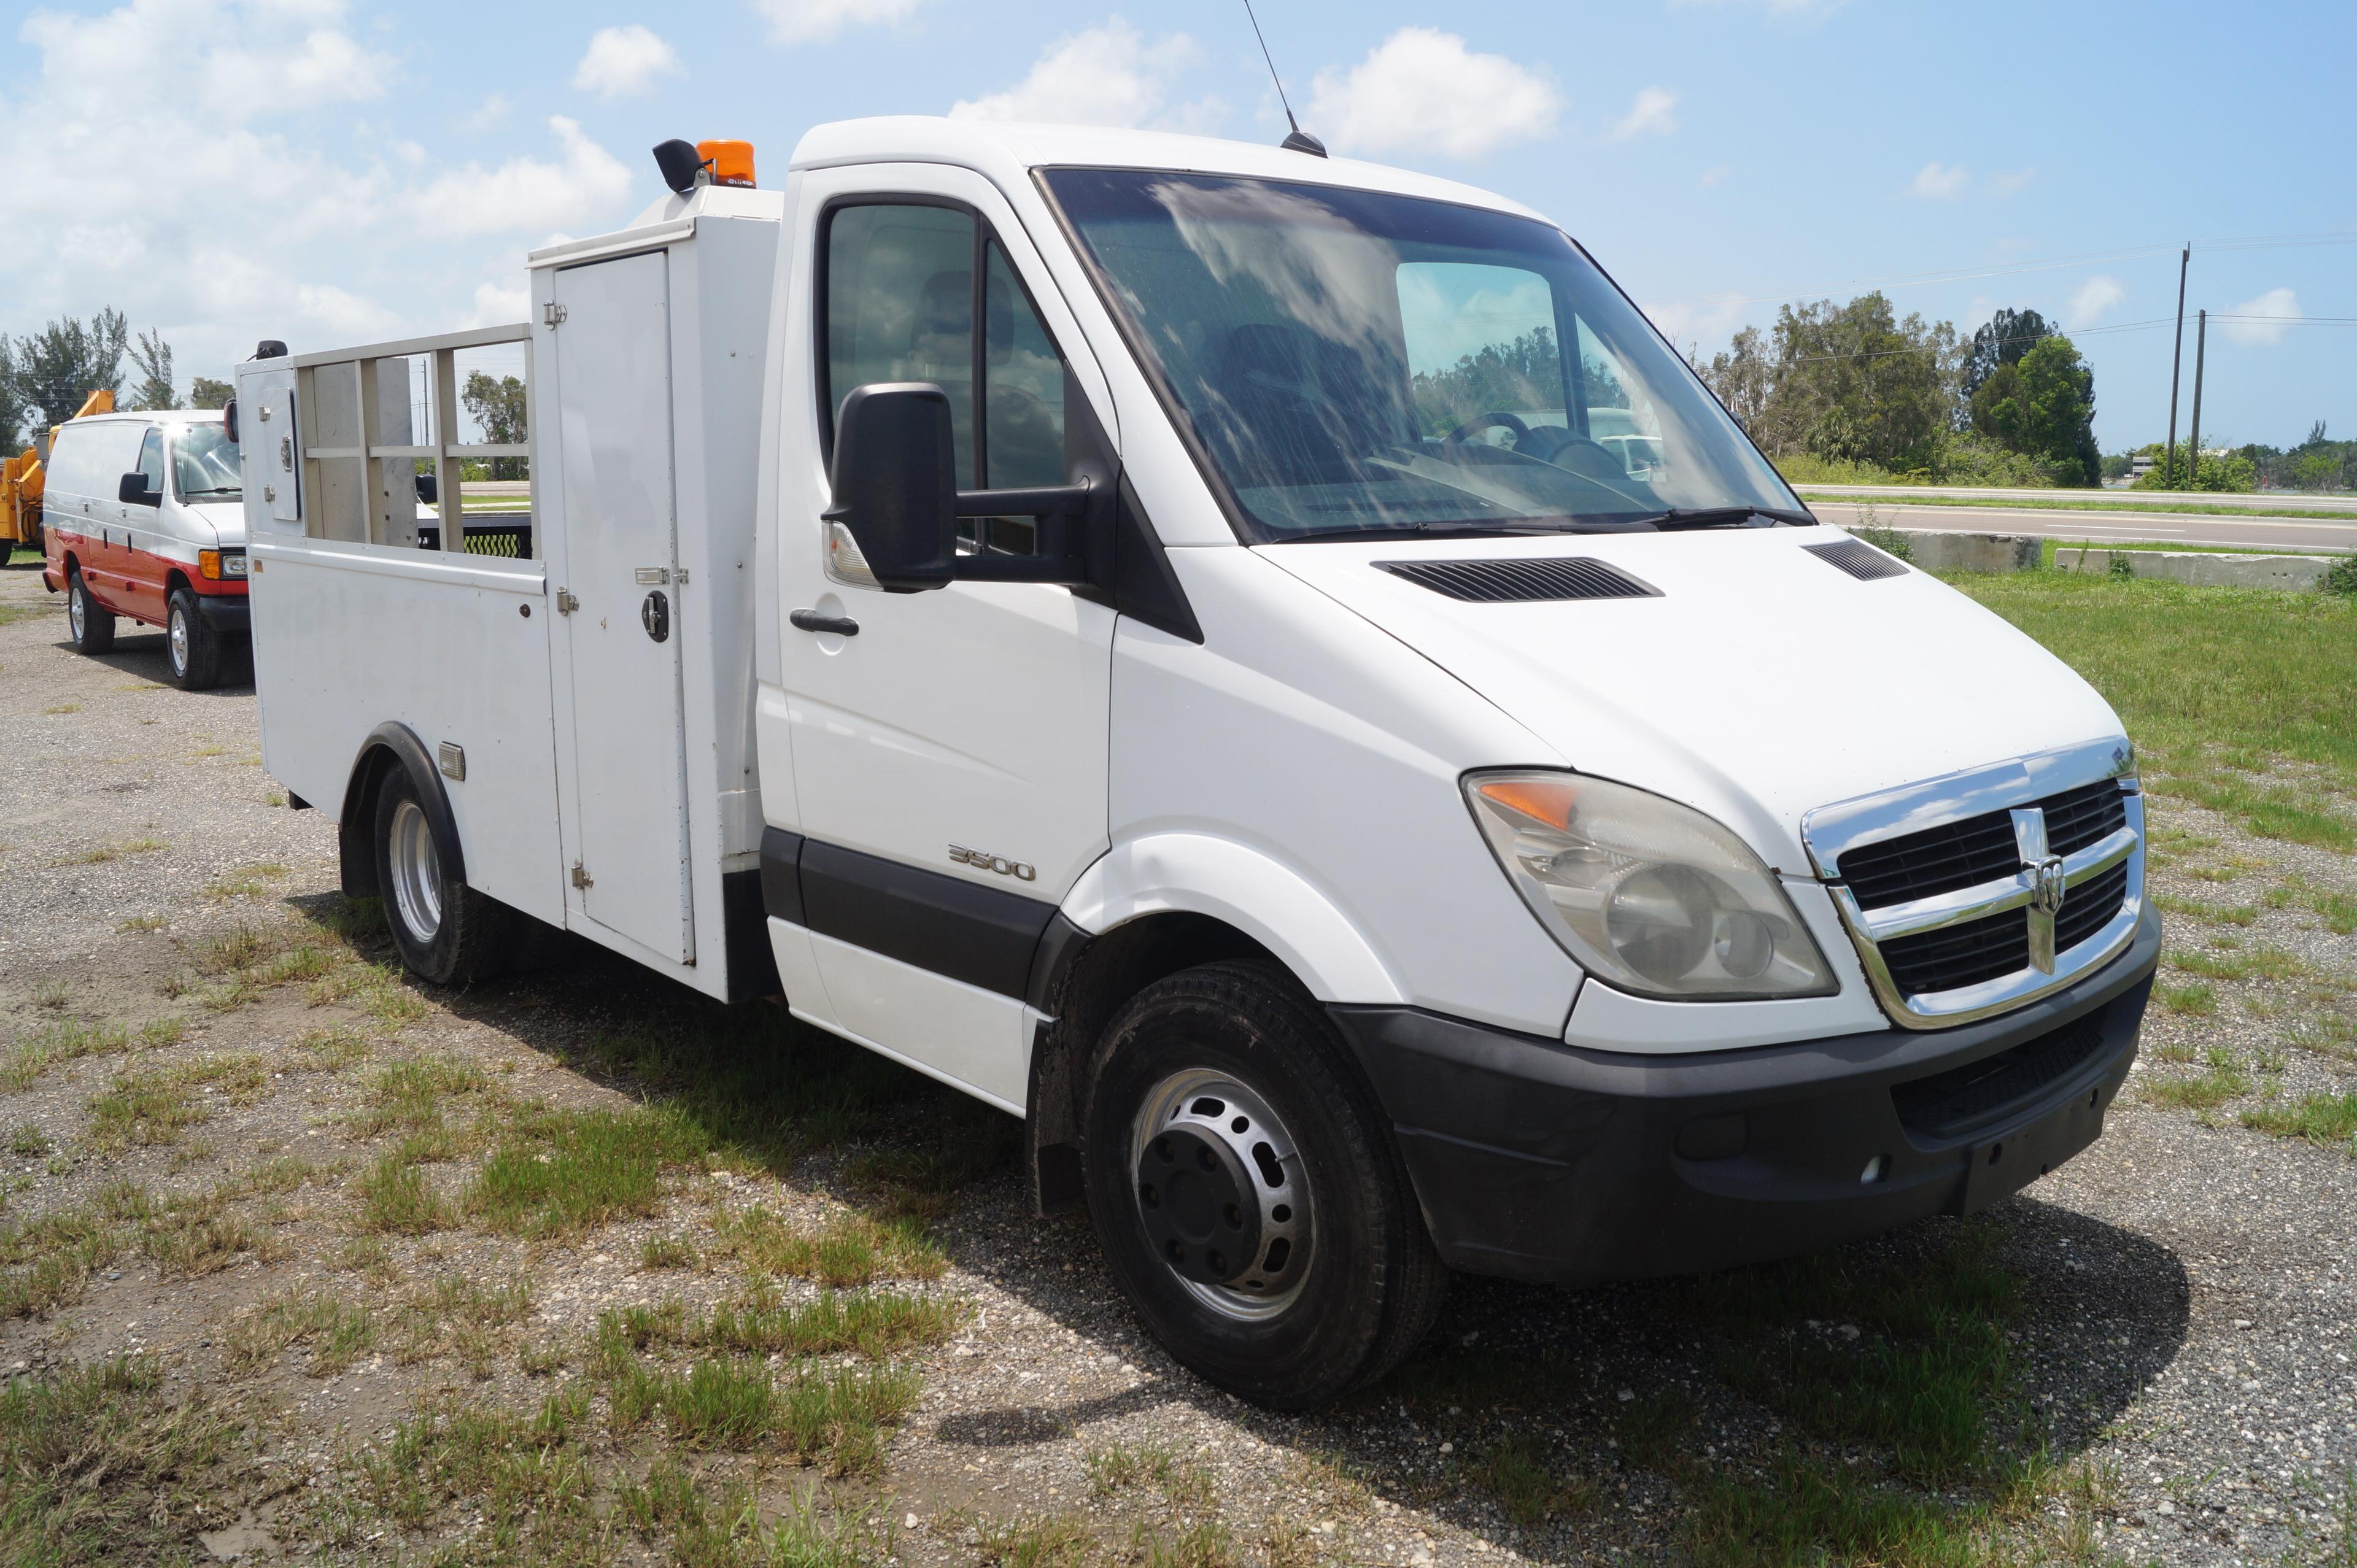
pixel 204 464
pixel 1358 363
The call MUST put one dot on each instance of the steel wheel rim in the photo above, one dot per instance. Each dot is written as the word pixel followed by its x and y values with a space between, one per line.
pixel 77 611
pixel 176 633
pixel 416 873
pixel 1260 1293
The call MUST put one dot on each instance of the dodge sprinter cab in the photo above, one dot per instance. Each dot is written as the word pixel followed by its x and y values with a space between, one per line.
pixel 143 521
pixel 1268 669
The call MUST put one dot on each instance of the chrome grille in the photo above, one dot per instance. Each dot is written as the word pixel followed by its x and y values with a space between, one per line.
pixel 1971 895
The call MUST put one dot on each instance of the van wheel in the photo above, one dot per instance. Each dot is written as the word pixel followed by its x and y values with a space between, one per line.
pixel 191 643
pixel 446 932
pixel 93 624
pixel 1245 1190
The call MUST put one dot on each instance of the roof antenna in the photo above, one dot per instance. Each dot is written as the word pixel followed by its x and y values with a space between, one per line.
pixel 1300 141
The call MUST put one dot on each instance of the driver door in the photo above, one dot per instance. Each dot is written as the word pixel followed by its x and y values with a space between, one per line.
pixel 948 757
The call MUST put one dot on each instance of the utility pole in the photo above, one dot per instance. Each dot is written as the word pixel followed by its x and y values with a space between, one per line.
pixel 2176 363
pixel 2193 439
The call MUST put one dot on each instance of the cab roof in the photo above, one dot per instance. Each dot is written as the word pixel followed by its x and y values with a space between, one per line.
pixel 1008 152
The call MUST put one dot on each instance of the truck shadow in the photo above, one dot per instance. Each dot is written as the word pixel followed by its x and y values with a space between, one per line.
pixel 1948 1377
pixel 142 654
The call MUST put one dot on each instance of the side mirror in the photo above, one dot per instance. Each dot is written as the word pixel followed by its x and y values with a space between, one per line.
pixel 132 491
pixel 895 482
pixel 429 489
pixel 228 421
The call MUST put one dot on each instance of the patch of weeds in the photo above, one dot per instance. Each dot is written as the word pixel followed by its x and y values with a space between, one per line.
pixel 157 1033
pixel 240 949
pixel 721 1529
pixel 455 1316
pixel 1051 1540
pixel 29 1142
pixel 46 1262
pixel 410 1096
pixel 527 1471
pixel 919 1181
pixel 397 1200
pixel 150 1106
pixel 337 1332
pixel 2193 999
pixel 391 1003
pixel 141 923
pixel 2224 1080
pixel 666 1252
pixel 559 1172
pixel 2216 914
pixel 188 1236
pixel 279 1175
pixel 851 1250
pixel 332 1050
pixel 1200 1544
pixel 540 1359
pixel 2328 1121
pixel 2240 963
pixel 1517 1474
pixel 1122 1466
pixel 252 882
pixel 35 1054
pixel 2337 910
pixel 366 1255
pixel 107 852
pixel 103 1464
pixel 735 1403
pixel 872 1324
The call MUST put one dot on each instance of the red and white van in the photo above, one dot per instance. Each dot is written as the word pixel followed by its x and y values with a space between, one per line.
pixel 144 518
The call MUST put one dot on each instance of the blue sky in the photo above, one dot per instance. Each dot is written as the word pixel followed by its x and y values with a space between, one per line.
pixel 330 173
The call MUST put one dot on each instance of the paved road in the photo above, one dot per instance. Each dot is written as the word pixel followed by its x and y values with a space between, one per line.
pixel 2272 533
pixel 2270 500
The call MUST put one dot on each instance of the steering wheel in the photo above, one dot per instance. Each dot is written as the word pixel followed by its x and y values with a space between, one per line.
pixel 1569 449
pixel 1490 420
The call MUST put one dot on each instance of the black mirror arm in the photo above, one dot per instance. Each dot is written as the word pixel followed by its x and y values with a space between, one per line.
pixel 1075 524
pixel 1040 501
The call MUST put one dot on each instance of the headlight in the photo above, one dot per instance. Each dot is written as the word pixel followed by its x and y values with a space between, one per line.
pixel 1648 895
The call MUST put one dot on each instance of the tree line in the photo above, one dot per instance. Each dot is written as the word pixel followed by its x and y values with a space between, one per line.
pixel 45 377
pixel 1858 387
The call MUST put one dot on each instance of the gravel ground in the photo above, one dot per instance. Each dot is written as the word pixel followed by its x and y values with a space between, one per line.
pixel 2184 1334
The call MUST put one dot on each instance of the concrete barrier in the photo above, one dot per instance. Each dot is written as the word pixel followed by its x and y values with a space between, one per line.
pixel 2296 571
pixel 1937 550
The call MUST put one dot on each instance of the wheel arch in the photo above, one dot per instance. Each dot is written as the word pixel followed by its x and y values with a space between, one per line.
pixel 389 745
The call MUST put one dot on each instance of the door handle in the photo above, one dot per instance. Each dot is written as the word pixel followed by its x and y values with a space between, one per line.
pixel 810 620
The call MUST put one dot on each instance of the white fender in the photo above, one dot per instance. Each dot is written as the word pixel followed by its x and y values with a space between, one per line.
pixel 1269 901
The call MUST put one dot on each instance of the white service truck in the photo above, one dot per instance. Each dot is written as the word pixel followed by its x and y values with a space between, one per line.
pixel 1166 636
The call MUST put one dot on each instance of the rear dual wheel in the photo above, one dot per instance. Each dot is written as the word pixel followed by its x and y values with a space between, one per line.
pixel 1244 1188
pixel 445 931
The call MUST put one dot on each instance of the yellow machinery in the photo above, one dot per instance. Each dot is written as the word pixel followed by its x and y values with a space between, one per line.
pixel 21 483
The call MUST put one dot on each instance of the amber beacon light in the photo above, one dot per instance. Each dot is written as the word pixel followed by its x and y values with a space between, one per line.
pixel 686 166
pixel 731 162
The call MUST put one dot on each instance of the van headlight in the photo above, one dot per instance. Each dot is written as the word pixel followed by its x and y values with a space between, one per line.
pixel 1648 895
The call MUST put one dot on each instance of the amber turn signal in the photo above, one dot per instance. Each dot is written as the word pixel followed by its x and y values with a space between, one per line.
pixel 209 565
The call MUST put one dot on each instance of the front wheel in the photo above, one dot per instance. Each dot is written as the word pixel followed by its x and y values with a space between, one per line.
pixel 193 647
pixel 1244 1188
pixel 445 931
pixel 93 624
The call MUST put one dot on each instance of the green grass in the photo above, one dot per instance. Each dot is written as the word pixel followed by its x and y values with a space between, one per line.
pixel 103 1463
pixel 1515 1472
pixel 146 1106
pixel 336 1332
pixel 2070 500
pixel 852 1250
pixel 561 1172
pixel 736 1403
pixel 46 1263
pixel 871 1323
pixel 528 1473
pixel 2213 914
pixel 2337 910
pixel 395 1198
pixel 2225 1079
pixel 2328 1121
pixel 2239 963
pixel 1117 1468
pixel 2192 1000
pixel 35 1054
pixel 2215 685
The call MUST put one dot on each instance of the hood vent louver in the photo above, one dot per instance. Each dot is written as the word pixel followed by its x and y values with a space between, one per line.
pixel 1859 559
pixel 1522 582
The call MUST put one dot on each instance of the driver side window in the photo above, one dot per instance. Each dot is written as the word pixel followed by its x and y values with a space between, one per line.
pixel 1480 339
pixel 151 460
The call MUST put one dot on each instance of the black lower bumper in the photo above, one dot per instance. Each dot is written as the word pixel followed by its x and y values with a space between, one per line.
pixel 1538 1160
pixel 226 614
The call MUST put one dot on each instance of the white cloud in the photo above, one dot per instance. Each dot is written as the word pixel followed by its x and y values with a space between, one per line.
pixel 2270 306
pixel 498 304
pixel 526 192
pixel 1706 320
pixel 623 62
pixel 1421 87
pixel 1939 182
pixel 1100 76
pixel 2095 298
pixel 343 315
pixel 1715 175
pixel 238 62
pixel 815 21
pixel 2010 182
pixel 1809 9
pixel 493 112
pixel 1652 114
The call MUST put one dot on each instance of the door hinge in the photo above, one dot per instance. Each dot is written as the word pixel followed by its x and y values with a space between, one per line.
pixel 680 576
pixel 565 603
pixel 581 877
pixel 553 313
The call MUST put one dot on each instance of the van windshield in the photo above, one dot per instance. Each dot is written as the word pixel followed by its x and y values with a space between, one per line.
pixel 204 464
pixel 1354 362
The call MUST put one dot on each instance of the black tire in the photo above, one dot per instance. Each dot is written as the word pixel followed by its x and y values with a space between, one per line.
pixel 445 931
pixel 1371 1283
pixel 93 624
pixel 191 646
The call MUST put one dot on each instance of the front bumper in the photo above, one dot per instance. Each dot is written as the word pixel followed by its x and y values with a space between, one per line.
pixel 228 613
pixel 1538 1160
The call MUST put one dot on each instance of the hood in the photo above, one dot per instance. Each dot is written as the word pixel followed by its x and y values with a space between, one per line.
pixel 1759 683
pixel 226 518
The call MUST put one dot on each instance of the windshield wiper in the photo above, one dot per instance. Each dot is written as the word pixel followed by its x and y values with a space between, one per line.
pixel 1422 530
pixel 1719 517
pixel 214 491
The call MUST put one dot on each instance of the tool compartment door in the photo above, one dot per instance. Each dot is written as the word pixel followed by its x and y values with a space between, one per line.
pixel 630 871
